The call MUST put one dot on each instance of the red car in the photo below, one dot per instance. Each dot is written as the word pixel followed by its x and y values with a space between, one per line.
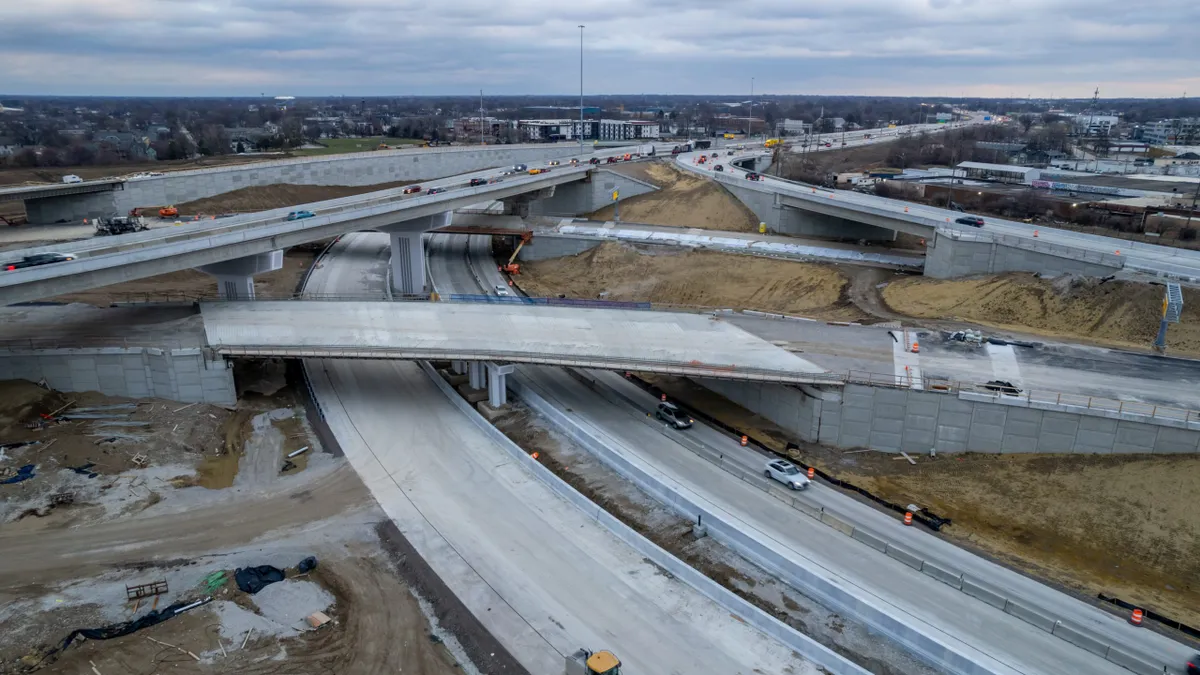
pixel 411 189
pixel 753 176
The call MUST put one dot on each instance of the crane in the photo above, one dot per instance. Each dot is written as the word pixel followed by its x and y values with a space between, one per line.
pixel 511 267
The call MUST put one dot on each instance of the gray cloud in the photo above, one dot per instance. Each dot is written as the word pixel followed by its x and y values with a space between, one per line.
pixel 400 47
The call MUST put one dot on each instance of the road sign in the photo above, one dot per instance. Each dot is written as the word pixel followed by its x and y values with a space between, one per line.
pixel 615 195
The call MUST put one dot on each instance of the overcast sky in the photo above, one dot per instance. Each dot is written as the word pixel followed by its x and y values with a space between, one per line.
pixel 1062 48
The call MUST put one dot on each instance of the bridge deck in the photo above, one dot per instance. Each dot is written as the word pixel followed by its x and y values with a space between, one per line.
pixel 619 339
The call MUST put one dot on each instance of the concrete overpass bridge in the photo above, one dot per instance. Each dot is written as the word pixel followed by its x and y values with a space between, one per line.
pixel 236 249
pixel 953 249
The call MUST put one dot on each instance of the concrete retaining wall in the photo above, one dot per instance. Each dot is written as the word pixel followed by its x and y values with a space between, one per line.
pixel 582 198
pixel 185 375
pixel 802 644
pixel 891 420
pixel 544 247
pixel 364 168
pixel 781 219
pixel 947 257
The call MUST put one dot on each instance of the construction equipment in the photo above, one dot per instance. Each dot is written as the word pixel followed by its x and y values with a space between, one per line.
pixel 120 225
pixel 584 662
pixel 511 267
pixel 168 212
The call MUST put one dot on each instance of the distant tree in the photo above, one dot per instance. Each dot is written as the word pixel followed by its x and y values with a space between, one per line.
pixel 1187 234
pixel 214 140
pixel 1026 121
pixel 240 147
pixel 80 154
pixel 25 158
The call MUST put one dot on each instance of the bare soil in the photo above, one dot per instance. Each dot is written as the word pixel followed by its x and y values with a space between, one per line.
pixel 1122 525
pixel 683 200
pixel 57 574
pixel 265 197
pixel 698 278
pixel 1117 313
pixel 194 284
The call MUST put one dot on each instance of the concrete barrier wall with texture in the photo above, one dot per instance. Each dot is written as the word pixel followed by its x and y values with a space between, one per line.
pixel 947 257
pixel 582 198
pixel 371 168
pixel 185 375
pixel 544 247
pixel 891 420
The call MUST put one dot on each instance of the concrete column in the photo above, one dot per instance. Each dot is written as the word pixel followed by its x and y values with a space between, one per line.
pixel 235 278
pixel 459 367
pixel 408 251
pixel 408 263
pixel 497 386
pixel 477 375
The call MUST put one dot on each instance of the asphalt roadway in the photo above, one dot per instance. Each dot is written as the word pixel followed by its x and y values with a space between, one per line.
pixel 543 577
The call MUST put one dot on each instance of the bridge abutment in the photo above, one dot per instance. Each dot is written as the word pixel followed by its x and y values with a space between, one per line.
pixel 235 278
pixel 70 208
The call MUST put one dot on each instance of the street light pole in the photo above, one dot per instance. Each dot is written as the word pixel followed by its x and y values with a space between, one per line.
pixel 750 115
pixel 581 89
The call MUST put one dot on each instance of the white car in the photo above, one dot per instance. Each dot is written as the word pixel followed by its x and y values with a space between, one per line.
pixel 787 473
pixel 71 178
pixel 502 291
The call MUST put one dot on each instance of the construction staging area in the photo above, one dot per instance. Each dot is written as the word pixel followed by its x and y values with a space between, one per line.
pixel 525 427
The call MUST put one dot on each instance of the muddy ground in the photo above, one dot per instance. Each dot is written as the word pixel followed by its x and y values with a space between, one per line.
pixel 683 200
pixel 194 284
pixel 1116 313
pixel 149 510
pixel 265 197
pixel 616 495
pixel 618 271
pixel 1122 525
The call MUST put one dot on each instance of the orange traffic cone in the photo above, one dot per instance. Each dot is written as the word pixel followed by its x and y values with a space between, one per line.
pixel 1035 233
pixel 1136 618
pixel 811 472
pixel 534 455
pixel 916 348
pixel 744 441
pixel 908 517
pixel 663 398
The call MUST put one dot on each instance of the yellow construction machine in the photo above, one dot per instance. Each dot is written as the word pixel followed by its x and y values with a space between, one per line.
pixel 584 662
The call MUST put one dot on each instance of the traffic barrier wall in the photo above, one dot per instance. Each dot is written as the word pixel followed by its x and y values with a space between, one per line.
pixel 951 578
pixel 978 590
pixel 870 540
pixel 947 257
pixel 752 615
pixel 187 375
pixel 547 247
pixel 761 552
pixel 1080 639
pixel 1031 615
pixel 913 561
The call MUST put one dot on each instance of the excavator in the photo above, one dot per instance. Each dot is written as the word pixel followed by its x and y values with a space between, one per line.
pixel 163 211
pixel 584 662
pixel 511 267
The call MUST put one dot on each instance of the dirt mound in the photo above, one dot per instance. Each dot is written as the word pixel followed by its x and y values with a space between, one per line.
pixel 280 195
pixel 683 200
pixel 704 278
pixel 1118 313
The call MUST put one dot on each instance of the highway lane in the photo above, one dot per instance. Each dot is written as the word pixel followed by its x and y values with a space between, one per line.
pixel 752 460
pixel 968 626
pixel 543 577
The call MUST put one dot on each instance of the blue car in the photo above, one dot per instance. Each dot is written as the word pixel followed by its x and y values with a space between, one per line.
pixel 297 215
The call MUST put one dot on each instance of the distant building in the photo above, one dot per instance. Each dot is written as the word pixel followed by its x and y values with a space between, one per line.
pixel 596 130
pixel 547 130
pixel 469 127
pixel 1178 131
pixel 792 128
pixel 1002 173
pixel 1095 125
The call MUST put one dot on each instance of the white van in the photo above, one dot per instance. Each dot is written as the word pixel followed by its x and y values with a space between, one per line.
pixel 72 178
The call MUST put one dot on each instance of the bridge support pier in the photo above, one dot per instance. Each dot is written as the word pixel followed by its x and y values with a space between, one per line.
pixel 477 375
pixel 458 367
pixel 408 251
pixel 497 384
pixel 235 278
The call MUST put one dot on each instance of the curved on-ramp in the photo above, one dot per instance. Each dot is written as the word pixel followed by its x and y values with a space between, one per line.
pixel 540 575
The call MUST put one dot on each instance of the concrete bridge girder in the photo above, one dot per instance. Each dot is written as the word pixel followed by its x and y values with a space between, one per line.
pixel 832 208
pixel 519 205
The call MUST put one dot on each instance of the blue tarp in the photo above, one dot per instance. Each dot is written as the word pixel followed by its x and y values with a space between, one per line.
pixel 24 473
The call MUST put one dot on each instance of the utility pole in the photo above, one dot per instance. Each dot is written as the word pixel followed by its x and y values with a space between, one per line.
pixel 581 89
pixel 481 141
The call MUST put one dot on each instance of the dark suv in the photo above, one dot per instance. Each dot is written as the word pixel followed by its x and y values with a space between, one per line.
pixel 37 260
pixel 673 416
pixel 973 221
pixel 476 182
